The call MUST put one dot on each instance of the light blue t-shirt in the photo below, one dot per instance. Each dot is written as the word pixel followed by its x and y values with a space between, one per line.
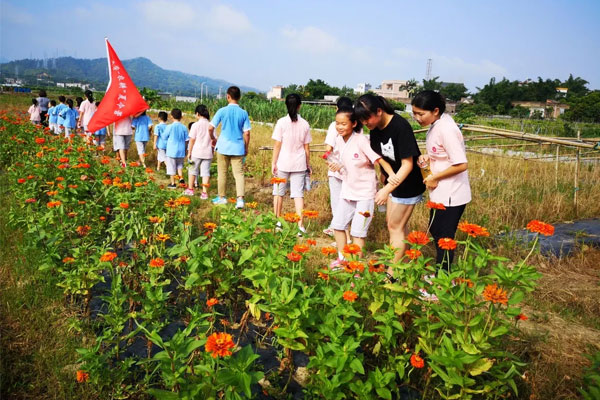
pixel 52 115
pixel 176 135
pixel 161 141
pixel 100 132
pixel 142 126
pixel 235 122
pixel 69 116
pixel 58 109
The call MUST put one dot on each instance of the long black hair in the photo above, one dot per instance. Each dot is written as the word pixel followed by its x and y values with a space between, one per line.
pixel 202 110
pixel 353 117
pixel 367 105
pixel 429 100
pixel 90 95
pixel 292 102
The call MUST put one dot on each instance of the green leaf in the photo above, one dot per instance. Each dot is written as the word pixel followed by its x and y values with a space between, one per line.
pixel 516 297
pixel 374 306
pixel 384 393
pixel 163 394
pixel 470 348
pixel 480 366
pixel 357 366
pixel 246 255
pixel 501 330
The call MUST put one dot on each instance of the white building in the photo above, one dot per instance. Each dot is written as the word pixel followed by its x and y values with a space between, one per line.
pixel 187 99
pixel 276 92
pixel 362 88
pixel 82 86
pixel 393 89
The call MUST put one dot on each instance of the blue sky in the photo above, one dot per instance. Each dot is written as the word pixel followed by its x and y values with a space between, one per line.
pixel 265 43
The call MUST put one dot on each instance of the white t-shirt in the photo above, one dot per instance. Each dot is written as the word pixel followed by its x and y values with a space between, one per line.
pixel 293 136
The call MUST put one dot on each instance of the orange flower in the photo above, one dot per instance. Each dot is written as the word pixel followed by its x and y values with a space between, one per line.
pixel 356 266
pixel 413 254
pixel 365 214
pixel 107 181
pixel 294 257
pixel 328 250
pixel 495 294
pixel 157 263
pixel 291 217
pixel 82 376
pixel 310 213
pixel 81 202
pixel 311 242
pixel 521 317
pixel 155 220
pixel 375 266
pixel 134 164
pixel 40 140
pixel 143 241
pixel 418 237
pixel 52 193
pixel 83 230
pixel 124 205
pixel 301 248
pixel 447 244
pixel 68 260
pixel 435 206
pixel 473 230
pixel 323 275
pixel 30 200
pixel 212 302
pixel 72 214
pixel 276 180
pixel 171 203
pixel 252 204
pixel 467 281
pixel 540 227
pixel 21 180
pixel 162 237
pixel 218 344
pixel 72 186
pixel 63 160
pixel 108 256
pixel 352 249
pixel 183 201
pixel 417 361
pixel 105 160
pixel 149 170
pixel 60 179
pixel 211 226
pixel 350 296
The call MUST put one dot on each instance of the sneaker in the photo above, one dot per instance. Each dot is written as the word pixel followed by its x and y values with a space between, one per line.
pixel 301 231
pixel 188 192
pixel 239 204
pixel 182 180
pixel 337 265
pixel 278 227
pixel 204 196
pixel 219 200
pixel 328 231
pixel 171 186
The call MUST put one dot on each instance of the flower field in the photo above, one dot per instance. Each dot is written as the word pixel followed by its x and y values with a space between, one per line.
pixel 182 304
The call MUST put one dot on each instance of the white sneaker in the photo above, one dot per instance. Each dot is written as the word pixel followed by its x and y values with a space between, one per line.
pixel 239 203
pixel 302 231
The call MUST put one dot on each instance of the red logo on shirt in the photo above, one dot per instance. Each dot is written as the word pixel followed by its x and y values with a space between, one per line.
pixel 355 155
pixel 433 149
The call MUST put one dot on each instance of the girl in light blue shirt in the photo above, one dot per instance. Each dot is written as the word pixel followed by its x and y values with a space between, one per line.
pixel 69 115
pixel 142 125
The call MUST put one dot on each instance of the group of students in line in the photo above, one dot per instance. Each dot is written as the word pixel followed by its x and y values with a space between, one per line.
pixel 351 157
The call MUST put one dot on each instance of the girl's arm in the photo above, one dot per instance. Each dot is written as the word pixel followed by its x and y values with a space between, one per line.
pixel 432 180
pixel 276 150
pixel 190 147
pixel 386 166
pixel 394 180
pixel 307 151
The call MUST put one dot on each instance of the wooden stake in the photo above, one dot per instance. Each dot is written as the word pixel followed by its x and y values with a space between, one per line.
pixel 556 167
pixel 576 183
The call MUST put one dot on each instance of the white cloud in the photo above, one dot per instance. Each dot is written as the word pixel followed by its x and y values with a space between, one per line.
pixel 311 40
pixel 173 14
pixel 225 19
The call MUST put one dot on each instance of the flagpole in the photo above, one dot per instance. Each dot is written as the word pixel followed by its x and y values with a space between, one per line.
pixel 108 61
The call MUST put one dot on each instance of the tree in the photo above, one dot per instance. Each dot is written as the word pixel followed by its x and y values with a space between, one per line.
pixel 412 87
pixel 317 89
pixel 577 87
pixel 454 91
pixel 586 108
pixel 432 84
pixel 519 112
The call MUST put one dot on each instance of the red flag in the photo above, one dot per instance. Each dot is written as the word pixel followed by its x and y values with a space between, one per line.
pixel 122 98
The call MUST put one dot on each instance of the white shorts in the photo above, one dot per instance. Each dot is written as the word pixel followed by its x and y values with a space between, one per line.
pixel 161 155
pixel 68 131
pixel 295 180
pixel 141 147
pixel 53 127
pixel 59 129
pixel 99 140
pixel 201 165
pixel 349 210
pixel 335 187
pixel 121 142
pixel 173 164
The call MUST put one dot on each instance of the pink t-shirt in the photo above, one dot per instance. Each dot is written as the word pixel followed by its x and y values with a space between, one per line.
pixel 88 109
pixel 202 147
pixel 123 127
pixel 293 136
pixel 359 181
pixel 335 154
pixel 446 147
pixel 35 113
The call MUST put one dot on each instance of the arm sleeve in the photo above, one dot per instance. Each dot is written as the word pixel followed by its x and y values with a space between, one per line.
pixel 454 145
pixel 405 144
pixel 365 147
pixel 307 136
pixel 216 119
pixel 246 123
pixel 331 135
pixel 277 132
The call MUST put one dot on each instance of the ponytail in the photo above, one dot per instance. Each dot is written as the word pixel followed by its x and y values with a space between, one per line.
pixel 292 102
pixel 368 104
pixel 89 95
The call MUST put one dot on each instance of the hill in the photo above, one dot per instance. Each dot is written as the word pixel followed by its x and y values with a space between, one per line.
pixel 94 71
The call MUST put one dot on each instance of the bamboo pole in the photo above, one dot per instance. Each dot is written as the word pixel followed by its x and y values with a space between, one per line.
pixel 528 137
pixel 576 184
pixel 556 167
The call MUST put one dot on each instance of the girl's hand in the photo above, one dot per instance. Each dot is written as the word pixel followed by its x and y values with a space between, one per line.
pixel 423 160
pixel 381 197
pixel 334 167
pixel 274 169
pixel 394 180
pixel 309 170
pixel 430 182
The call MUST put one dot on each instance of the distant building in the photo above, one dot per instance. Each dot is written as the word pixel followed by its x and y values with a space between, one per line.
pixel 187 99
pixel 82 86
pixel 276 92
pixel 331 99
pixel 60 84
pixel 164 95
pixel 548 108
pixel 362 88
pixel 562 91
pixel 393 89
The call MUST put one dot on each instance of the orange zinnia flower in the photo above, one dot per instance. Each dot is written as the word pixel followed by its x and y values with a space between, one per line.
pixel 418 237
pixel 276 180
pixel 294 257
pixel 328 250
pixel 521 317
pixel 467 281
pixel 68 260
pixel 63 160
pixel 124 205
pixel 212 302
pixel 352 249
pixel 52 193
pixel 143 241
pixel 162 237
pixel 40 140
pixel 473 230
pixel 171 203
pixel 413 254
pixel 30 200
pixel 495 294
pixel 365 214
pixel 301 248
pixel 183 201
pixel 447 244
pixel 417 361
pixel 83 230
pixel 310 213
pixel 540 227
pixel 82 376
pixel 435 206
pixel 108 256
pixel 311 242
pixel 291 217
pixel 323 275
pixel 157 262
pixel 218 344
pixel 211 226
pixel 21 180
pixel 252 204
pixel 375 266
pixel 355 266
pixel 350 296
pixel 155 220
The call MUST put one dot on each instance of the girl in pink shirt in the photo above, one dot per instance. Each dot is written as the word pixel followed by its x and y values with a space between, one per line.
pixel 291 157
pixel 34 111
pixel 200 151
pixel 448 182
pixel 359 181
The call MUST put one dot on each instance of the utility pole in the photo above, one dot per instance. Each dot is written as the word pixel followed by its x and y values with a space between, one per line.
pixel 428 70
